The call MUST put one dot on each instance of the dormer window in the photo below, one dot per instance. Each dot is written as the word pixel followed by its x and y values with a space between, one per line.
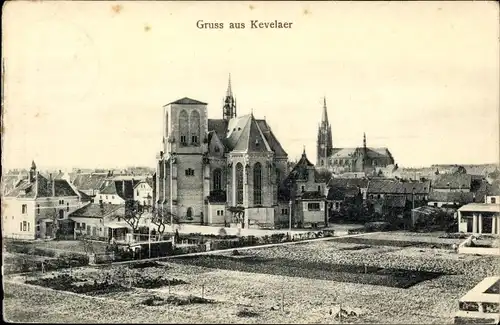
pixel 217 149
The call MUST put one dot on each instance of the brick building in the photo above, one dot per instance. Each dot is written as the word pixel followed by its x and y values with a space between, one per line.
pixel 218 171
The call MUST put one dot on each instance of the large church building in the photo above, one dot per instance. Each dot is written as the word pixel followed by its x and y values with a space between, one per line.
pixel 218 171
pixel 362 159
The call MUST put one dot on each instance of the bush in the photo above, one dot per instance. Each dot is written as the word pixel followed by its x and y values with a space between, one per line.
pixel 377 226
pixel 154 283
pixel 247 313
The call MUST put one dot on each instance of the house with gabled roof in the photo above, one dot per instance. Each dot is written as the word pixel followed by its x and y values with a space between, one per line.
pixel 38 206
pixel 303 194
pixel 100 221
pixel 218 171
pixel 143 192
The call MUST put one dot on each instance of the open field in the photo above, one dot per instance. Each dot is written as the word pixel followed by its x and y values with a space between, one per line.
pixel 324 274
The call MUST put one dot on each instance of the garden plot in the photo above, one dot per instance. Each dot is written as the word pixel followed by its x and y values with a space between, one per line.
pixel 390 277
pixel 248 298
pixel 326 252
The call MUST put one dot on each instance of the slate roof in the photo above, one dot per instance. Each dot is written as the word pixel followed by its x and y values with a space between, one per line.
pixel 219 126
pixel 341 193
pixel 299 172
pixel 388 186
pixel 348 182
pixel 301 169
pixel 271 138
pixel 453 181
pixel 97 211
pixel 84 197
pixel 187 101
pixel 458 197
pixel 251 138
pixel 117 188
pixel 311 195
pixel 85 182
pixel 351 152
pixel 41 188
pixel 245 133
pixel 148 181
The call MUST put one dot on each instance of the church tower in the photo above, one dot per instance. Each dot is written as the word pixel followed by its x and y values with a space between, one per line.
pixel 229 108
pixel 324 143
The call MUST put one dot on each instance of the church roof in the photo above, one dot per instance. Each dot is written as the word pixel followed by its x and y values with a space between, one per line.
pixel 219 126
pixel 187 101
pixel 351 152
pixel 271 138
pixel 245 133
pixel 251 138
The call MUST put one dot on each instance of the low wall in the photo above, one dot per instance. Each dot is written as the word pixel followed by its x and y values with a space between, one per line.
pixel 463 248
pixel 209 230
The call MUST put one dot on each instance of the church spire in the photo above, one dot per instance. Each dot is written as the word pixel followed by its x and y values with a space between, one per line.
pixel 229 92
pixel 229 109
pixel 324 117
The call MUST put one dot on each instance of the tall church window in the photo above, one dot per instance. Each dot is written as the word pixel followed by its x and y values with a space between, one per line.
pixel 278 176
pixel 183 127
pixel 239 183
pixel 257 184
pixel 217 179
pixel 194 127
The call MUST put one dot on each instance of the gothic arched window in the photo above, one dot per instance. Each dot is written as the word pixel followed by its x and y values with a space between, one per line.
pixel 183 127
pixel 257 184
pixel 189 214
pixel 217 179
pixel 194 127
pixel 278 176
pixel 239 183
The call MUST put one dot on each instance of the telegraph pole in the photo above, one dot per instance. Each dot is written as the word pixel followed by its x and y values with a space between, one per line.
pixel 290 216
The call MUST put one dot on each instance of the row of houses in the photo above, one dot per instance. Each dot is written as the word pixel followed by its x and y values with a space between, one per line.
pixel 37 206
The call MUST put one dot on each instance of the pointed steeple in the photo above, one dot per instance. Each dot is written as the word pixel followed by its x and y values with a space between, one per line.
pixel 324 117
pixel 32 171
pixel 304 152
pixel 229 109
pixel 229 92
pixel 364 140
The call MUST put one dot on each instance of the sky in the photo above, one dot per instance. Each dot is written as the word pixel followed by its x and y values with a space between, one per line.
pixel 85 82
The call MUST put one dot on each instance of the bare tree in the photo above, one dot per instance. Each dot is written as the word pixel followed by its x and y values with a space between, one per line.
pixel 162 219
pixel 133 214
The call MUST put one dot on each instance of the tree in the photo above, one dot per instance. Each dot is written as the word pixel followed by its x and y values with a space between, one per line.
pixel 162 219
pixel 133 214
